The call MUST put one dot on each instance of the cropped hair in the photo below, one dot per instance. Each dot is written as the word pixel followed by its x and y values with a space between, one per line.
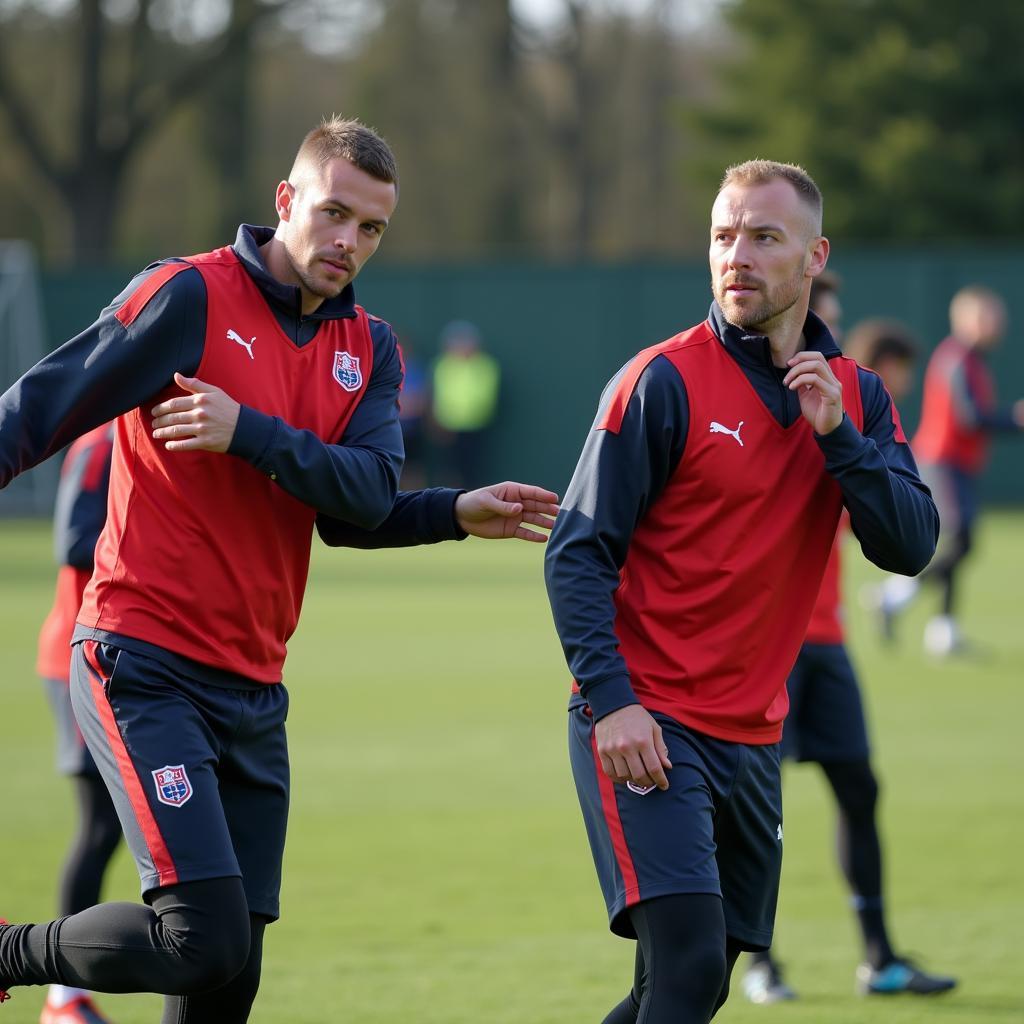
pixel 348 139
pixel 763 172
pixel 974 295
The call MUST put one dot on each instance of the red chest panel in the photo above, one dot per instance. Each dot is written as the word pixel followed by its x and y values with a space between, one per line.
pixel 722 573
pixel 202 553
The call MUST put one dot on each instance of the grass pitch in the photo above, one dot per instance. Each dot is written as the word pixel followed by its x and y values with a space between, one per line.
pixel 437 870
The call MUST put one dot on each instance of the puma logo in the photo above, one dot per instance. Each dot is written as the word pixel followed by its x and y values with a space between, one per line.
pixel 247 345
pixel 717 428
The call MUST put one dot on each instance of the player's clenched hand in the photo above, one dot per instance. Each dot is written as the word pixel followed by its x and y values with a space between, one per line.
pixel 631 747
pixel 819 390
pixel 202 420
pixel 507 510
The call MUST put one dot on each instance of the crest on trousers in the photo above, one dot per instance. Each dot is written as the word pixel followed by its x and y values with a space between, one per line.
pixel 347 372
pixel 172 785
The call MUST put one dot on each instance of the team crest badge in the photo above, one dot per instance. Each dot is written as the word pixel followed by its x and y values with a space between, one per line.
pixel 347 372
pixel 172 785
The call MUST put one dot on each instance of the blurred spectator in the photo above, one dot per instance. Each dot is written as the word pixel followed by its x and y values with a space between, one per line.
pixel 888 348
pixel 958 415
pixel 465 399
pixel 825 302
pixel 826 723
pixel 414 407
pixel 78 518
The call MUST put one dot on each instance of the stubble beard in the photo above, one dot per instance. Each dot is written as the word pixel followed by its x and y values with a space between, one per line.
pixel 765 314
pixel 316 286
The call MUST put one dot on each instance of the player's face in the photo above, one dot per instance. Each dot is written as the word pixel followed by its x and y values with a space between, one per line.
pixel 764 252
pixel 990 324
pixel 331 224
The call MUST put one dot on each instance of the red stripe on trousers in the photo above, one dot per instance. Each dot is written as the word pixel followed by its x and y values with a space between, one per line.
pixel 611 817
pixel 166 871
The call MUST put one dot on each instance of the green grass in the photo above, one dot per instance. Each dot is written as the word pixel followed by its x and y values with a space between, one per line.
pixel 437 870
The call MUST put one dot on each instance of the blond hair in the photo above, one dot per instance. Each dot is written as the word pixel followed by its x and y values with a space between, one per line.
pixel 763 172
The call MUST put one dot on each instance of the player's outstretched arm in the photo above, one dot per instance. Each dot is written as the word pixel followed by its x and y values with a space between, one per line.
pixel 507 510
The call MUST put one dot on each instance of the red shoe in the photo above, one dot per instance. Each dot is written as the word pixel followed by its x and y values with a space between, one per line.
pixel 79 1011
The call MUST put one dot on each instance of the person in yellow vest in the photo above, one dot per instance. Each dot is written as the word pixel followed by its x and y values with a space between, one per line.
pixel 465 399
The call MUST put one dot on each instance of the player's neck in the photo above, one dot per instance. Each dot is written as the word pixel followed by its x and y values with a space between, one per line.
pixel 785 341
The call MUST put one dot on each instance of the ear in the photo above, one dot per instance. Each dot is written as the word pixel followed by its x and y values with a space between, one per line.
pixel 283 199
pixel 817 256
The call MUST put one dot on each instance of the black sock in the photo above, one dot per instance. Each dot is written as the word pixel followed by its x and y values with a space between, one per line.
pixel 860 852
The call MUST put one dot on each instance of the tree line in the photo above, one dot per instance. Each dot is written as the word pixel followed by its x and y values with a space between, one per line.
pixel 138 128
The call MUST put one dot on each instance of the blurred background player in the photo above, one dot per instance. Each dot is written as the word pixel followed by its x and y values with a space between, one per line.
pixel 958 415
pixel 413 415
pixel 826 721
pixel 465 400
pixel 78 519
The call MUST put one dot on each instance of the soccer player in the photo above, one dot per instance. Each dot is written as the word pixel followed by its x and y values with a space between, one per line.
pixel 826 724
pixel 255 400
pixel 79 515
pixel 958 416
pixel 682 572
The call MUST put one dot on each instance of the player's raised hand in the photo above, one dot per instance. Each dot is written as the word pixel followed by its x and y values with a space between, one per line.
pixel 819 391
pixel 202 420
pixel 631 747
pixel 507 510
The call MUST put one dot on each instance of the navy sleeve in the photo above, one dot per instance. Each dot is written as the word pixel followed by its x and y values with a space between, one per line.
pixel 356 479
pixel 80 511
pixel 891 511
pixel 618 477
pixel 102 372
pixel 417 517
pixel 970 412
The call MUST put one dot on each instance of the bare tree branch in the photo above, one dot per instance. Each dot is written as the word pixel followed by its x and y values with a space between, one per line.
pixel 139 48
pixel 156 103
pixel 91 37
pixel 24 125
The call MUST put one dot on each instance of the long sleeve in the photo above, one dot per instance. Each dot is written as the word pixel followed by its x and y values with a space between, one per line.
pixel 891 511
pixel 356 479
pixel 104 371
pixel 972 412
pixel 619 475
pixel 417 517
pixel 80 510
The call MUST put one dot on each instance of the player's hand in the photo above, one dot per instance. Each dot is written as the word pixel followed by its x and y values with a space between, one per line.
pixel 819 390
pixel 507 510
pixel 631 747
pixel 202 420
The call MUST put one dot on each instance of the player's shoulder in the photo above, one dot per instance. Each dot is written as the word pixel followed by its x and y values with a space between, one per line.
pixel 650 379
pixel 655 364
pixel 872 388
pixel 382 334
pixel 160 288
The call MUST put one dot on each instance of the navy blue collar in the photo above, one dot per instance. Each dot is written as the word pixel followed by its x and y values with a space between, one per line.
pixel 286 296
pixel 754 349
